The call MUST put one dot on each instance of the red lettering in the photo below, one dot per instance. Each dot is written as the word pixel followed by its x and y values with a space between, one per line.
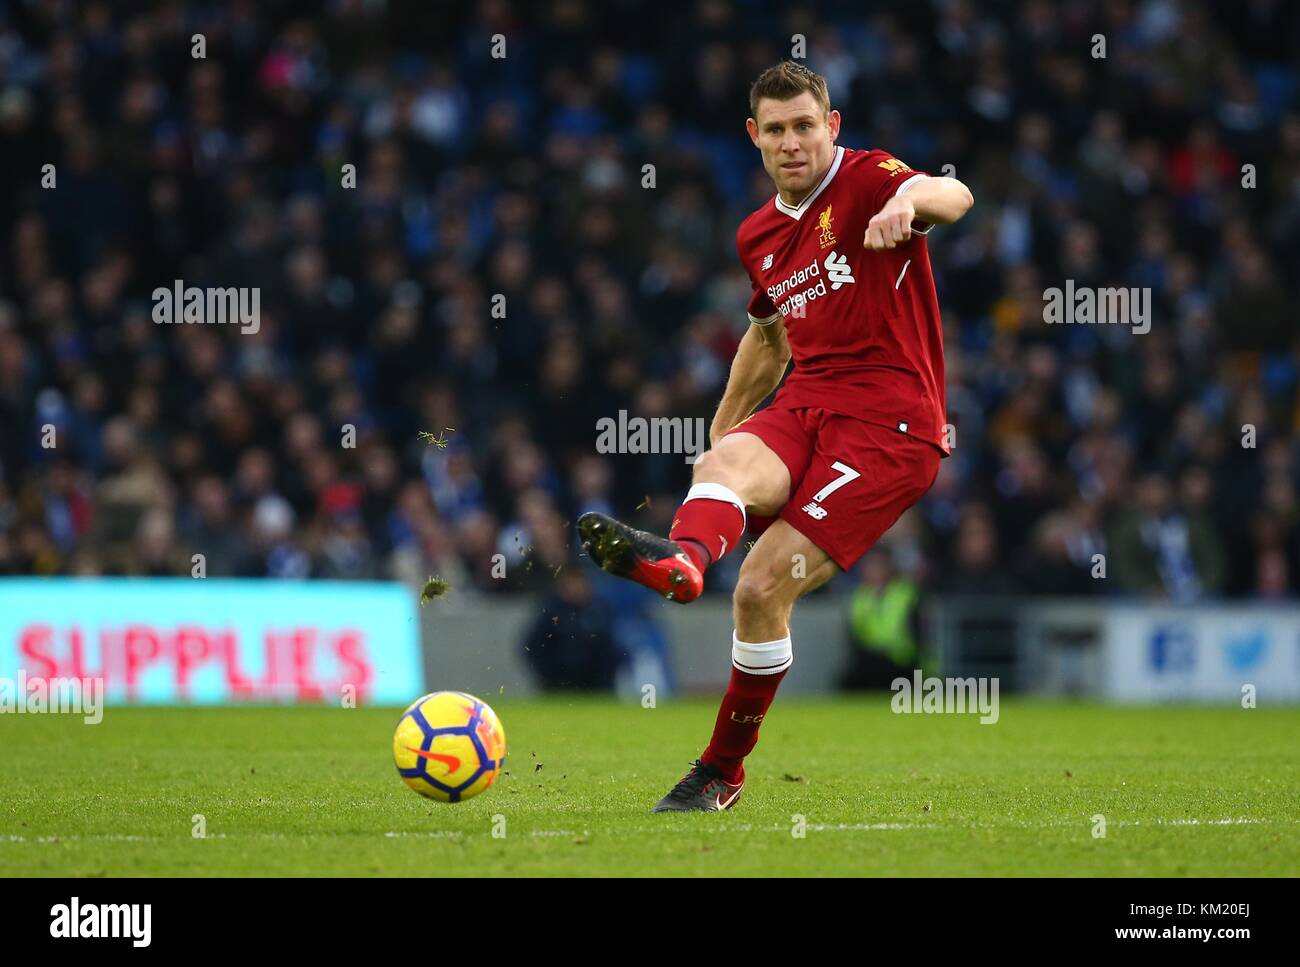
pixel 238 683
pixel 271 677
pixel 77 656
pixel 355 668
pixel 192 648
pixel 32 644
pixel 139 648
pixel 302 663
pixel 110 654
pixel 303 642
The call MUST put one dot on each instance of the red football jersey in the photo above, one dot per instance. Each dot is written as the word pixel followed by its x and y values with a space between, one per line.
pixel 863 326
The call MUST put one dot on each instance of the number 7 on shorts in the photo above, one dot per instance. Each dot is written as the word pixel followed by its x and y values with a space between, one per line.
pixel 847 474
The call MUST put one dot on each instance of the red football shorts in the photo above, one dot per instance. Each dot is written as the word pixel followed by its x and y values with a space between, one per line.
pixel 849 480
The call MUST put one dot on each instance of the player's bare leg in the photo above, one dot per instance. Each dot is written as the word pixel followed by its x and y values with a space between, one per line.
pixel 739 474
pixel 744 463
pixel 782 566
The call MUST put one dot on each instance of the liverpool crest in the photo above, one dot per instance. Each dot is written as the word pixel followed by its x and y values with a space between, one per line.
pixel 824 223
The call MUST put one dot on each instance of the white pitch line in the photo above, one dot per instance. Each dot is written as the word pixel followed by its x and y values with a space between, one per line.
pixel 878 827
pixel 693 830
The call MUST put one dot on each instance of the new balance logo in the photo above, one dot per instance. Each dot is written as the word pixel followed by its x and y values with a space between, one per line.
pixel 815 511
pixel 838 271
pixel 767 262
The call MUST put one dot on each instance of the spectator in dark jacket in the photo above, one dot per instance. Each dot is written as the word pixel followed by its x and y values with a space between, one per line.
pixel 571 644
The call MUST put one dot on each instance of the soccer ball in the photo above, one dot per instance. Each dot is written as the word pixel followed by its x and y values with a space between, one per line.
pixel 449 746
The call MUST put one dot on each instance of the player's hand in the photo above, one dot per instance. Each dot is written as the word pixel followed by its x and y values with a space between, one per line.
pixel 891 226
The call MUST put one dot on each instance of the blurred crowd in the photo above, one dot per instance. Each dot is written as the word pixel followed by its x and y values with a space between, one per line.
pixel 500 278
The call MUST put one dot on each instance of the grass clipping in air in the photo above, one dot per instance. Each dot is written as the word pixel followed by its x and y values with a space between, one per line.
pixel 438 440
pixel 433 588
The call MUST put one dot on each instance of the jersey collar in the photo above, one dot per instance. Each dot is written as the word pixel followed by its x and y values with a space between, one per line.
pixel 796 212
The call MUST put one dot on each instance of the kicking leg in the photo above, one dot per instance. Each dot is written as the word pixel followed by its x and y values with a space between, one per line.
pixel 740 474
pixel 782 566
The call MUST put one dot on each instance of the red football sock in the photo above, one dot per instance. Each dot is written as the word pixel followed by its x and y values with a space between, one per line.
pixel 756 673
pixel 708 524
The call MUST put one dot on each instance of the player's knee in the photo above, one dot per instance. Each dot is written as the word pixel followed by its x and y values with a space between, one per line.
pixel 757 590
pixel 716 466
pixel 705 464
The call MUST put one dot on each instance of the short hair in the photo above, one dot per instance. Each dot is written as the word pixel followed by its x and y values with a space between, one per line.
pixel 788 79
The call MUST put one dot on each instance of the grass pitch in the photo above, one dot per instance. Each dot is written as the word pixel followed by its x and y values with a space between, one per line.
pixel 303 791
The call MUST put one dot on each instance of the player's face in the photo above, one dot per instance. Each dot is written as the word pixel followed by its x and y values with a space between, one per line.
pixel 797 142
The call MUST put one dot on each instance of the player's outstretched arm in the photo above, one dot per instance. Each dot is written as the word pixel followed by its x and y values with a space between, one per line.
pixel 760 363
pixel 937 200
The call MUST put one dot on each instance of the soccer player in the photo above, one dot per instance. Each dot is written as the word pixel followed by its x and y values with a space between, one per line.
pixel 842 284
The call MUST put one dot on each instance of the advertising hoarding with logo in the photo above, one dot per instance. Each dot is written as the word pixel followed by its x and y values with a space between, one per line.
pixel 1202 653
pixel 165 640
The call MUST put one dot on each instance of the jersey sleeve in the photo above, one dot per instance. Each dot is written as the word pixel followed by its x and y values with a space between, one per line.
pixel 886 176
pixel 761 310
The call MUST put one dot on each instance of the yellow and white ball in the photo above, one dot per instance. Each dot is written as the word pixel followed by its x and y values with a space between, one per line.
pixel 449 746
